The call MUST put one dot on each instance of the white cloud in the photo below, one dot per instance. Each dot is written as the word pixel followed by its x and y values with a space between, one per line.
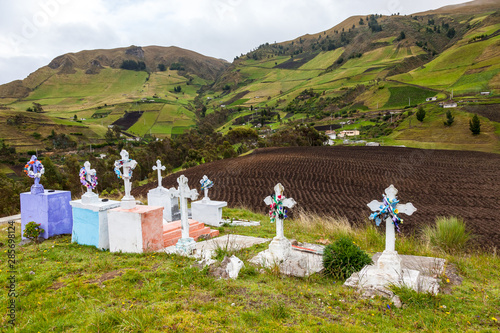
pixel 32 32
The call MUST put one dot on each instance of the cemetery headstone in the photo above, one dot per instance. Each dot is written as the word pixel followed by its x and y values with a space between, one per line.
pixel 185 244
pixel 50 208
pixel 280 247
pixel 206 210
pixel 127 165
pixel 160 196
pixel 90 214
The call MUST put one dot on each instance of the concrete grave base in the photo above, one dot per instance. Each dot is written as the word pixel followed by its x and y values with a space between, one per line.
pixel 51 209
pixel 135 230
pixel 419 273
pixel 208 211
pixel 185 246
pixel 301 261
pixel 90 222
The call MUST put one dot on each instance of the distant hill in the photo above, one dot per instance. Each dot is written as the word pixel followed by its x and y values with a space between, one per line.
pixel 94 61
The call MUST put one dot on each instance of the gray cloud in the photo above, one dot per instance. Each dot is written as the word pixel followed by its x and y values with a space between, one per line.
pixel 32 32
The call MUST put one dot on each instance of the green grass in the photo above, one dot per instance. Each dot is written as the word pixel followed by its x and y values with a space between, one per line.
pixel 66 287
pixel 402 96
pixel 449 234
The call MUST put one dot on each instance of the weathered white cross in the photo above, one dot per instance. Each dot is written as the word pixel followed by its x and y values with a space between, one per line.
pixel 184 193
pixel 128 165
pixel 286 202
pixel 390 209
pixel 160 168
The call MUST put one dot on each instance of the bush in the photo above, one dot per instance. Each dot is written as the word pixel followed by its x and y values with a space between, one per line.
pixel 343 258
pixel 420 114
pixel 32 231
pixel 448 234
pixel 475 125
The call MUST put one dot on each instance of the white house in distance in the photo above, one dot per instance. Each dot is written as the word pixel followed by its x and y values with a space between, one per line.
pixel 430 99
pixel 331 136
pixel 450 105
pixel 344 133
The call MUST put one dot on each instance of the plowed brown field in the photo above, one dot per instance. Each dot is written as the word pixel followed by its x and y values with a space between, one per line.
pixel 340 181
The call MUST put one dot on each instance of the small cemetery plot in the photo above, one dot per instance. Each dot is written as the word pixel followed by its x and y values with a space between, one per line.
pixel 291 260
pixel 206 210
pixel 418 273
pixel 49 208
pixel 90 214
pixel 132 228
pixel 160 196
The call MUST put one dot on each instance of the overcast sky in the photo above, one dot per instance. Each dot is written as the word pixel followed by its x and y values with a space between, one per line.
pixel 33 32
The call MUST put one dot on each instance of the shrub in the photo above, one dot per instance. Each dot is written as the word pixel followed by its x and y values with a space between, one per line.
pixel 33 230
pixel 420 114
pixel 448 234
pixel 475 125
pixel 343 258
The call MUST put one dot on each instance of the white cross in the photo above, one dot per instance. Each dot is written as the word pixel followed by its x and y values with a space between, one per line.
pixel 184 193
pixel 128 166
pixel 159 167
pixel 287 202
pixel 408 209
pixel 88 177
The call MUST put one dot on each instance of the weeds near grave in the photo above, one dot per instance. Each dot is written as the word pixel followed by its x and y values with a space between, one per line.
pixel 33 230
pixel 449 234
pixel 323 225
pixel 343 258
pixel 415 299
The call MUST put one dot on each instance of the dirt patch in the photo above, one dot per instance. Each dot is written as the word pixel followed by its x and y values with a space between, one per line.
pixel 450 279
pixel 57 285
pixel 106 276
pixel 490 111
pixel 128 119
pixel 237 97
pixel 341 181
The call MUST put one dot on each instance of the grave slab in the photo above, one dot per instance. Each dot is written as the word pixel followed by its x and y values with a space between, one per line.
pixel 135 230
pixel 51 209
pixel 208 211
pixel 228 242
pixel 90 222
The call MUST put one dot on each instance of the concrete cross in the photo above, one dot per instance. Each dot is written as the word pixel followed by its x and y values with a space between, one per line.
pixel 184 193
pixel 286 202
pixel 160 168
pixel 128 165
pixel 389 207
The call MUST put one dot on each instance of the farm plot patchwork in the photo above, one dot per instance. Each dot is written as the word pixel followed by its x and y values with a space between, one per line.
pixel 340 181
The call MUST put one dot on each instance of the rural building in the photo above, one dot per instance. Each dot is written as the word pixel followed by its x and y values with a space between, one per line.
pixel 331 136
pixel 450 105
pixel 485 93
pixel 430 99
pixel 372 144
pixel 345 133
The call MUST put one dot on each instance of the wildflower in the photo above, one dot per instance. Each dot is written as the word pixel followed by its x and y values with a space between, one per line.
pixel 494 319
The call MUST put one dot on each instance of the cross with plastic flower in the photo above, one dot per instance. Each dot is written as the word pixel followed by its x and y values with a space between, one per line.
pixel 277 203
pixel 389 210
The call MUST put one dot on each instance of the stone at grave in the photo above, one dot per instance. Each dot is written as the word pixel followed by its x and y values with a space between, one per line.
pixel 90 222
pixel 88 178
pixel 135 230
pixel 34 169
pixel 185 244
pixel 128 201
pixel 160 196
pixel 51 209
pixel 234 266
pixel 280 247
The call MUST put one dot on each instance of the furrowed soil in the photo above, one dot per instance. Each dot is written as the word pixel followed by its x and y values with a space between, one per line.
pixel 341 181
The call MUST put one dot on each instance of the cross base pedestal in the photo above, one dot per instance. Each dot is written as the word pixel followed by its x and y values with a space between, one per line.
pixel 37 189
pixel 90 198
pixel 185 245
pixel 280 249
pixel 128 202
